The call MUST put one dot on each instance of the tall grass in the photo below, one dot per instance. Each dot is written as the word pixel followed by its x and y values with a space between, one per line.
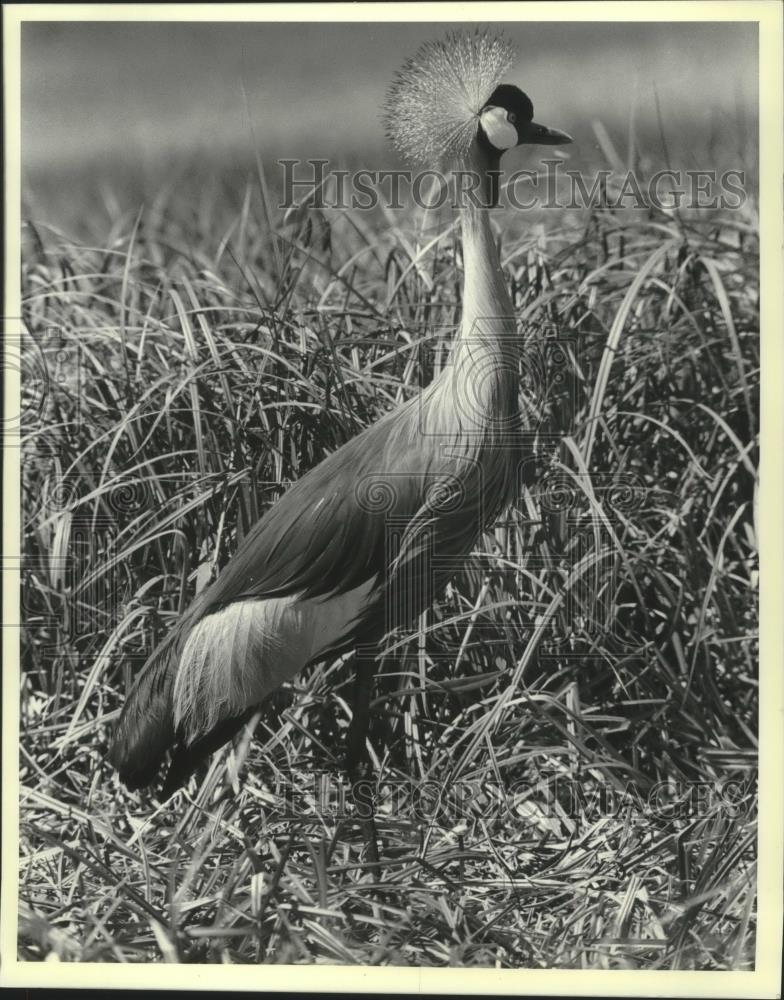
pixel 598 649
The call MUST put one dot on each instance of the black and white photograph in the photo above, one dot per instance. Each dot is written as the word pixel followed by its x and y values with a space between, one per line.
pixel 392 443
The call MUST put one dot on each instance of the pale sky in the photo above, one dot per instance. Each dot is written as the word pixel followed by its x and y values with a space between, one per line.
pixel 92 92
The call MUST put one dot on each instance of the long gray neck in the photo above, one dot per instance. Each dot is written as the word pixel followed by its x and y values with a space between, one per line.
pixel 474 401
pixel 488 322
pixel 484 361
pixel 488 315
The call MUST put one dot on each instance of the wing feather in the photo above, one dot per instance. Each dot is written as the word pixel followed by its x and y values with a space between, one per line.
pixel 237 655
pixel 320 539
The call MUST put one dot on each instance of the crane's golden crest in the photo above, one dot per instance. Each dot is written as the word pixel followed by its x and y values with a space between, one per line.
pixel 431 112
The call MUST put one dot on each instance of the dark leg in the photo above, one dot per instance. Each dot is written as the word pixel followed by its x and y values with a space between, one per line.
pixel 358 765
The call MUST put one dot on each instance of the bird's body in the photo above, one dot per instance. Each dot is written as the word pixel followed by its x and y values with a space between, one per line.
pixel 358 546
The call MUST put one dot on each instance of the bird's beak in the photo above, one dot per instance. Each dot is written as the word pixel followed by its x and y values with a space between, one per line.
pixel 541 135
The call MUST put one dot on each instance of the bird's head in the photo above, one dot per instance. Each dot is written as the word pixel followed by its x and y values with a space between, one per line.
pixel 448 101
pixel 507 120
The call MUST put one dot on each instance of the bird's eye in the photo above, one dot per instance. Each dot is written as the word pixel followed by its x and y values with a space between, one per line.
pixel 511 118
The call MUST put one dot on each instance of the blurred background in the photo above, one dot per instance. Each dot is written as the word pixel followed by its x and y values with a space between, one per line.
pixel 108 109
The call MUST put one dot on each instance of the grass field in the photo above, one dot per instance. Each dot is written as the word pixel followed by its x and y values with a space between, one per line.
pixel 566 742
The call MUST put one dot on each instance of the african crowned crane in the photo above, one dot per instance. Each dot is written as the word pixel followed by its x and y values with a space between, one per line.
pixel 318 575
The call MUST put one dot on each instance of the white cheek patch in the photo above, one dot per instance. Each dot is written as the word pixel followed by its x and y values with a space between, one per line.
pixel 501 133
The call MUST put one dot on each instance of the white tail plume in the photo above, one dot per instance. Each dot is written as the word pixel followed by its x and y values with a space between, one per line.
pixel 236 656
